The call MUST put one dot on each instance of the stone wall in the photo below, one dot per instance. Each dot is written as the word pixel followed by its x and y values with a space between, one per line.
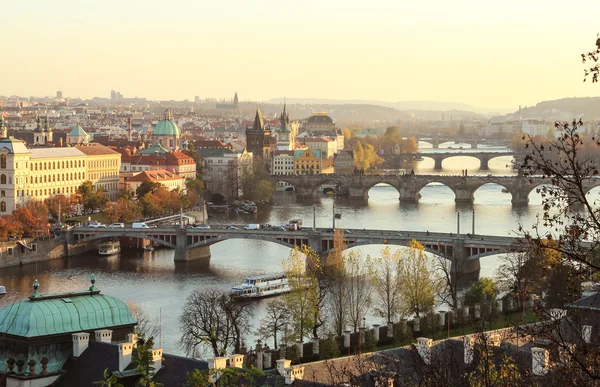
pixel 14 254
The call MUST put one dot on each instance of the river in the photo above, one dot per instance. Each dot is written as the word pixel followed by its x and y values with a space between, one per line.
pixel 160 287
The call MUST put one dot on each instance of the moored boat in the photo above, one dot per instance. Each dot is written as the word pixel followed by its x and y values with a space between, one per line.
pixel 261 286
pixel 109 248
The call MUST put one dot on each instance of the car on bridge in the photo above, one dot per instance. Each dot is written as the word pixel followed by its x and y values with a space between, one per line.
pixel 202 227
pixel 117 225
pixel 231 228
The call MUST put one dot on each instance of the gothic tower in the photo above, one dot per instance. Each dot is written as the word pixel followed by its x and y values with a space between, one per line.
pixel 236 102
pixel 255 136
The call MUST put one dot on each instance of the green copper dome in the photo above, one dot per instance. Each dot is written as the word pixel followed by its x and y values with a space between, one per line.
pixel 52 314
pixel 77 132
pixel 167 127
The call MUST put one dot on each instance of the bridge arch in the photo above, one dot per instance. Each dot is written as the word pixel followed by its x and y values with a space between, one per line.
pixel 592 187
pixel 399 243
pixel 221 238
pixel 533 188
pixel 339 183
pixel 419 188
pixel 506 191
pixel 382 184
pixel 283 183
pixel 97 237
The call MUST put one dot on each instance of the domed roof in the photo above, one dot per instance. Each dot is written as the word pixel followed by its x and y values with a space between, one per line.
pixel 77 132
pixel 319 118
pixel 167 127
pixel 51 314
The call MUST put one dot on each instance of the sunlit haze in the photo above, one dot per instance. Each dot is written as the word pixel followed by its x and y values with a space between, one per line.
pixel 487 54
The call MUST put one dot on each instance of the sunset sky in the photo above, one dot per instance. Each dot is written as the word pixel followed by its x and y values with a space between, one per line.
pixel 488 54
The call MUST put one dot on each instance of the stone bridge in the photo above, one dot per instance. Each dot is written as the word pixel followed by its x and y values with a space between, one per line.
pixel 192 244
pixel 435 141
pixel 438 157
pixel 409 186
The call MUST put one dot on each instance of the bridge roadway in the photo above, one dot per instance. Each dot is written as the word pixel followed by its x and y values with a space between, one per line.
pixel 409 186
pixel 435 141
pixel 191 244
pixel 438 157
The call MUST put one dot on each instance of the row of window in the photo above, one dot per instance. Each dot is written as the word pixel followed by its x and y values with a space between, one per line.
pixel 46 178
pixel 102 163
pixel 55 164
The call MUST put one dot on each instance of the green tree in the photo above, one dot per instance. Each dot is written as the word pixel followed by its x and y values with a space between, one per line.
pixel 484 290
pixel 122 210
pixel 91 198
pixel 144 364
pixel 110 380
pixel 347 134
pixel 417 281
pixel 302 301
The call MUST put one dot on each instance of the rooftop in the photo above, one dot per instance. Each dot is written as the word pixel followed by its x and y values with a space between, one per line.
pixel 60 313
pixel 96 149
pixel 40 153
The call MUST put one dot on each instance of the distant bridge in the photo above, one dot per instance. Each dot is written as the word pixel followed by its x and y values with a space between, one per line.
pixel 435 141
pixel 438 157
pixel 193 244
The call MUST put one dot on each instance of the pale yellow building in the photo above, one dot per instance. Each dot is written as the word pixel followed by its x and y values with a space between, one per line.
pixel 307 162
pixel 38 173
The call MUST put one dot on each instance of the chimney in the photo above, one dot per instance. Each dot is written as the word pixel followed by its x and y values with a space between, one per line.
pixel 103 335
pixel 125 351
pixel 217 363
pixel 586 333
pixel 469 346
pixel 539 361
pixel 157 359
pixel 424 348
pixel 81 341
pixel 236 360
pixel 282 364
pixel 132 338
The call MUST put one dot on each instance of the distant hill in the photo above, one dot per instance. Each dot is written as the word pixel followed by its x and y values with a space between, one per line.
pixel 587 108
pixel 400 105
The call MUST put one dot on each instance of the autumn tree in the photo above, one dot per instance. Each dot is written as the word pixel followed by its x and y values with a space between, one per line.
pixel 417 281
pixel 66 205
pixel 212 319
pixel 34 218
pixel 365 156
pixel 385 285
pixel 275 320
pixel 337 276
pixel 303 300
pixel 358 287
pixel 147 186
pixel 122 210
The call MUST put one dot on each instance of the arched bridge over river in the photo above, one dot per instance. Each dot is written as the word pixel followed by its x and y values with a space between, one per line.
pixel 438 157
pixel 191 244
pixel 409 186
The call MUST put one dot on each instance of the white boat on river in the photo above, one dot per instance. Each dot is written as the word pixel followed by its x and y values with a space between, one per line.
pixel 262 286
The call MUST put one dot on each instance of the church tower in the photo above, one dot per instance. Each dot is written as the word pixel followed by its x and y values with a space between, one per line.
pixel 284 134
pixel 47 132
pixel 255 136
pixel 236 102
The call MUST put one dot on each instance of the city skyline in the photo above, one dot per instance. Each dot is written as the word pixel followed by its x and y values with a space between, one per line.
pixel 487 56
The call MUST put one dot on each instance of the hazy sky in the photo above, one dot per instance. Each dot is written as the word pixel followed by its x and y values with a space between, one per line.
pixel 488 54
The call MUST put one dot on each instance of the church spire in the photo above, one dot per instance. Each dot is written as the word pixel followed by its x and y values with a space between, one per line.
pixel 258 121
pixel 38 120
pixel 46 123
